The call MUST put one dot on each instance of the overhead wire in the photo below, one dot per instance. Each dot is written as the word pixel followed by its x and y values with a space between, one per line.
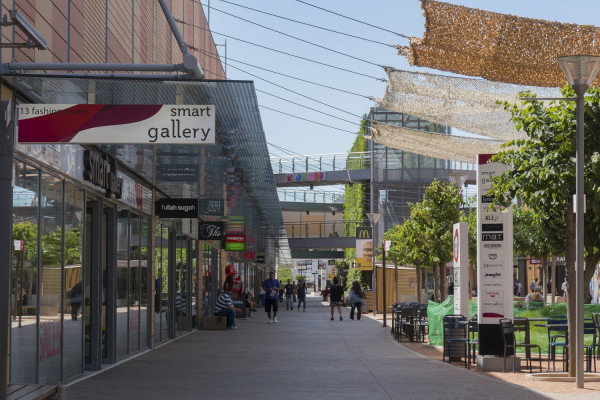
pixel 299 39
pixel 309 108
pixel 308 120
pixel 279 86
pixel 281 52
pixel 353 19
pixel 311 25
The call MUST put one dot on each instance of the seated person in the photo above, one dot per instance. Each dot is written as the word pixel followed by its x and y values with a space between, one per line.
pixel 224 306
pixel 250 305
pixel 535 296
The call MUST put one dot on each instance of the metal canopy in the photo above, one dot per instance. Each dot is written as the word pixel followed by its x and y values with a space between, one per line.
pixel 238 164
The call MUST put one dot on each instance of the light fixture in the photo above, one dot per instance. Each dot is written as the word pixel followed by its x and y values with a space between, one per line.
pixel 34 38
pixel 580 72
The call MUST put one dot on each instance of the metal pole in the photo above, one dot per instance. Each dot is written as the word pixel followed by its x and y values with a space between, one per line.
pixel 372 210
pixel 6 168
pixel 383 289
pixel 580 199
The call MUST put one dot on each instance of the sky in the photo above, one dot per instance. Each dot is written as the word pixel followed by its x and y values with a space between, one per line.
pixel 311 126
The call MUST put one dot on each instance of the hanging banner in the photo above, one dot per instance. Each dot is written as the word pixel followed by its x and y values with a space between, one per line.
pixel 116 123
pixel 212 207
pixel 211 230
pixel 177 208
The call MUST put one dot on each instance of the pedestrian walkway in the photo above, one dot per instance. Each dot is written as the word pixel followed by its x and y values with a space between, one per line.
pixel 303 356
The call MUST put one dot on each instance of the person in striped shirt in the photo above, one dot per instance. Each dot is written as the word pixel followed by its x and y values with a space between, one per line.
pixel 224 306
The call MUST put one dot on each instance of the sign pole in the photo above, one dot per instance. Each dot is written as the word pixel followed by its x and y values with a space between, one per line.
pixel 383 289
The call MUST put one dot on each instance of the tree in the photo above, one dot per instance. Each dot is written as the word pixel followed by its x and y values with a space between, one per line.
pixel 283 274
pixel 436 216
pixel 542 174
pixel 409 247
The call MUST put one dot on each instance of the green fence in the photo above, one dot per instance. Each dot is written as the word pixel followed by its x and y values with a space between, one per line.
pixel 437 311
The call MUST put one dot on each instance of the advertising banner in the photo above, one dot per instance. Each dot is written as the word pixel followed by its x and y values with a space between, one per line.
pixel 364 248
pixel 494 249
pixel 116 123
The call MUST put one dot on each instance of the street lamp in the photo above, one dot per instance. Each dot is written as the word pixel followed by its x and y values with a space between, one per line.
pixel 374 217
pixel 581 72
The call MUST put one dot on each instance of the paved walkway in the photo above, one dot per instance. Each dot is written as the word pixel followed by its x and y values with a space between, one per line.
pixel 303 356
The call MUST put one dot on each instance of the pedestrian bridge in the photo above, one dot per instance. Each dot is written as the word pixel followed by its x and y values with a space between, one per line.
pixel 313 218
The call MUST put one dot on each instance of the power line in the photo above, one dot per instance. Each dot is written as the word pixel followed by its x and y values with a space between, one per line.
pixel 282 87
pixel 308 120
pixel 309 108
pixel 281 52
pixel 311 25
pixel 300 79
pixel 355 20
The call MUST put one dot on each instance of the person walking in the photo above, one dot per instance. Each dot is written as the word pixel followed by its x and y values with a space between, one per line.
pixel 272 288
pixel 534 284
pixel 301 295
pixel 289 295
pixel 355 298
pixel 336 297
pixel 224 306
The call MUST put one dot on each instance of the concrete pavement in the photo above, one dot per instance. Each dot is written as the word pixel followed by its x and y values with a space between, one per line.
pixel 304 355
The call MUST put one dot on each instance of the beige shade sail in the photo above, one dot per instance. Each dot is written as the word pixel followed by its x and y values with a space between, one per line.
pixel 438 145
pixel 468 104
pixel 498 47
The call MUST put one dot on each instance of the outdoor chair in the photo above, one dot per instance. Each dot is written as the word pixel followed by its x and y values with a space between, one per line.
pixel 406 322
pixel 511 345
pixel 456 339
pixel 596 319
pixel 589 350
pixel 473 344
pixel 557 338
pixel 421 322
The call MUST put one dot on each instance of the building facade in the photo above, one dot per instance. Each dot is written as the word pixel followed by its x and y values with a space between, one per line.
pixel 95 272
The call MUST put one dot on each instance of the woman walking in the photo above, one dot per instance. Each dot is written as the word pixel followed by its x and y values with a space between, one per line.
pixel 355 297
pixel 336 297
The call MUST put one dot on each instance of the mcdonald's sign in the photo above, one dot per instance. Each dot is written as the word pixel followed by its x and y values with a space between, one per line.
pixel 364 233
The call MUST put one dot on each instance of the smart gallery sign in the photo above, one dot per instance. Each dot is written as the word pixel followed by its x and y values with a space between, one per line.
pixel 116 124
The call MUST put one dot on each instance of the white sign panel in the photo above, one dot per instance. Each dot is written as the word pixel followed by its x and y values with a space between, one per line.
pixel 116 123
pixel 494 249
pixel 461 268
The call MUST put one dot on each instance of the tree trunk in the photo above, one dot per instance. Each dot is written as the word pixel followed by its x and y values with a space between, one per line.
pixel 436 284
pixel 554 279
pixel 418 273
pixel 545 280
pixel 444 282
pixel 570 253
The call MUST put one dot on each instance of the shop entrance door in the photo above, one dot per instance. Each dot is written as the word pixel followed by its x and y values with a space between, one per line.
pixel 99 283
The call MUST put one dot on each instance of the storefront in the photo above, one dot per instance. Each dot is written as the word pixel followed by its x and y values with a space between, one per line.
pixel 96 274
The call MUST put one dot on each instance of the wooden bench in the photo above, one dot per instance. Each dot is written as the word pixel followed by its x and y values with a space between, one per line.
pixel 30 392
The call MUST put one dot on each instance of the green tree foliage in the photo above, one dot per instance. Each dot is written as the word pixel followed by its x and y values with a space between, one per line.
pixel 542 174
pixel 283 274
pixel 355 199
pixel 27 232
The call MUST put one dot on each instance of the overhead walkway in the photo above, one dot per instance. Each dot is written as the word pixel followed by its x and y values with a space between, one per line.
pixel 303 356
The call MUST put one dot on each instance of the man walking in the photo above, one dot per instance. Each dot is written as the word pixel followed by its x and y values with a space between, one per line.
pixel 272 288
pixel 289 295
pixel 301 294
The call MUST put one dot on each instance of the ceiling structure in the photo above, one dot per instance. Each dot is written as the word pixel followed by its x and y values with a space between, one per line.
pixel 236 168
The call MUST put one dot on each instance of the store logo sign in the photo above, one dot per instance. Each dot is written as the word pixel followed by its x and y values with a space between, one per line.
pixel 101 170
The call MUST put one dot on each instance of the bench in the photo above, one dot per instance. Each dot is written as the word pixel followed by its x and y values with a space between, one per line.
pixel 30 392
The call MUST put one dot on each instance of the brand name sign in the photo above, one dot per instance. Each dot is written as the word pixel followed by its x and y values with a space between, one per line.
pixel 101 170
pixel 116 123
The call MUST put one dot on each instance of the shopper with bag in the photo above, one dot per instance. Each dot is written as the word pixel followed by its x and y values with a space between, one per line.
pixel 272 288
pixel 355 299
